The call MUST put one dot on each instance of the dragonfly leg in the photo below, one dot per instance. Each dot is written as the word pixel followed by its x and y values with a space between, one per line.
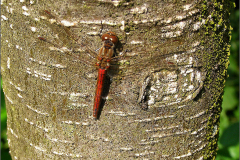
pixel 100 31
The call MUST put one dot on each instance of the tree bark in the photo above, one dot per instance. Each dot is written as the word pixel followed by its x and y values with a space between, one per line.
pixel 163 98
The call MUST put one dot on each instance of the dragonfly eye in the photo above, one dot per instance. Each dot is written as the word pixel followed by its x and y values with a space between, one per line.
pixel 114 39
pixel 105 36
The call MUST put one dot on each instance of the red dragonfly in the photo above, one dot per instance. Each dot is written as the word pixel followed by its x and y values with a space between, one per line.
pixel 104 58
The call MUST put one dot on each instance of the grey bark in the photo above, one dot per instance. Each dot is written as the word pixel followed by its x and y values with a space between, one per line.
pixel 165 105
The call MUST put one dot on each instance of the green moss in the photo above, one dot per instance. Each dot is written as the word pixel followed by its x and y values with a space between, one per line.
pixel 216 38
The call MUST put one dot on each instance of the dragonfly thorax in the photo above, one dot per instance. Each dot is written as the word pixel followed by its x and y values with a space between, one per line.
pixel 103 63
pixel 106 51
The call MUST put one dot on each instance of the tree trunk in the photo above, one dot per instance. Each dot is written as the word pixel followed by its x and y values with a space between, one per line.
pixel 163 97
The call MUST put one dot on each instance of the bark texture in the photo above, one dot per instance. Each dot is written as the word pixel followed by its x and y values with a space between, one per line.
pixel 164 96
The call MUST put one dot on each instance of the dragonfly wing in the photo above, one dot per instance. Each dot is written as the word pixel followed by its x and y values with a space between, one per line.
pixel 162 76
pixel 64 37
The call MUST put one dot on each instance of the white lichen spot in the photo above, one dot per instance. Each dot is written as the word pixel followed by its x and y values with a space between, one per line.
pixel 24 8
pixel 151 100
pixel 189 70
pixel 85 123
pixel 73 95
pixel 8 63
pixel 9 10
pixel 123 25
pixel 9 99
pixel 192 50
pixel 180 17
pixel 144 153
pixel 13 132
pixel 191 87
pixel 33 29
pixel 168 34
pixel 28 71
pixel 166 98
pixel 26 119
pixel 178 33
pixel 198 76
pixel 144 21
pixel 169 20
pixel 171 34
pixel 39 74
pixel 181 25
pixel 22 1
pixel 131 114
pixel 196 26
pixel 182 106
pixel 37 111
pixel 139 10
pixel 26 13
pixel 192 76
pixel 184 155
pixel 193 12
pixel 171 77
pixel 136 42
pixel 114 2
pixel 199 130
pixel 68 122
pixel 190 60
pixel 92 33
pixel 68 23
pixel 189 97
pixel 59 66
pixel 42 63
pixel 183 71
pixel 32 2
pixel 77 123
pixel 153 89
pixel 197 115
pixel 52 20
pixel 175 56
pixel 136 22
pixel 126 148
pixel 4 17
pixel 19 95
pixel 187 7
pixel 172 88
pixel 215 130
pixel 63 49
pixel 43 17
pixel 11 26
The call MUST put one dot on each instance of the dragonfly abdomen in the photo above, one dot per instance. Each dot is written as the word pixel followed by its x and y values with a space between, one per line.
pixel 99 89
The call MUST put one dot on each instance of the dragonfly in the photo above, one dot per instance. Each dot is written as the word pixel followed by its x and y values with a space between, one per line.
pixel 106 56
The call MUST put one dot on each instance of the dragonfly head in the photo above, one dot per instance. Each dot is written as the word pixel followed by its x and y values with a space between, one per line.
pixel 110 36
